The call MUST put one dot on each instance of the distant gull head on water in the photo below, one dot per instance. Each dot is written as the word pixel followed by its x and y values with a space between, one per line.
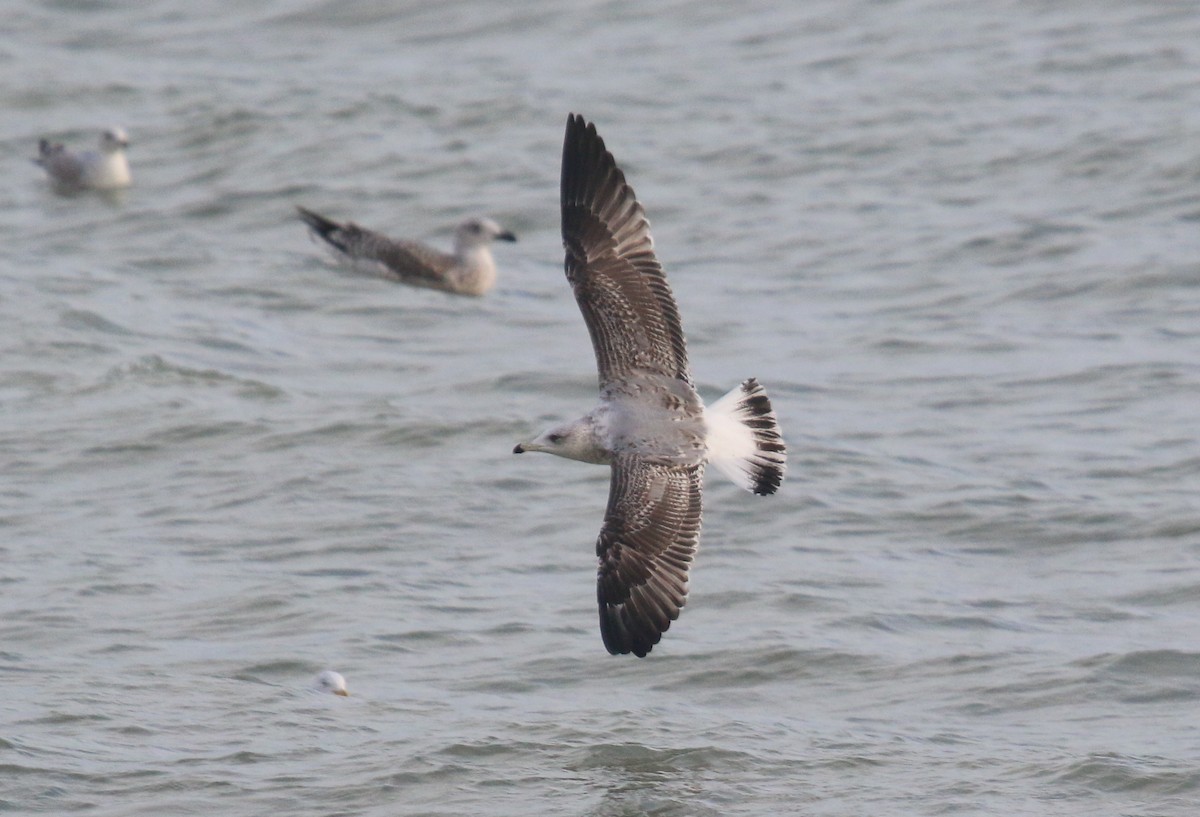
pixel 106 169
pixel 469 270
pixel 332 682
pixel 651 427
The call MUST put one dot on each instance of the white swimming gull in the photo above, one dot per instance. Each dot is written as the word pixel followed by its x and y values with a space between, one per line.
pixel 333 682
pixel 650 426
pixel 107 169
pixel 470 270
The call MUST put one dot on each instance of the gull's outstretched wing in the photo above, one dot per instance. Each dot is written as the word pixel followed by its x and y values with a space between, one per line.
pixel 610 262
pixel 650 534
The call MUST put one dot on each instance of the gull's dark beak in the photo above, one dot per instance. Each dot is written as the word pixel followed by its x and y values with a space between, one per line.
pixel 506 236
pixel 520 449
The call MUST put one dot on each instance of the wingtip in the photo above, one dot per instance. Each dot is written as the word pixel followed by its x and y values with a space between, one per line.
pixel 46 149
pixel 580 130
pixel 620 640
pixel 310 215
pixel 316 221
pixel 639 621
pixel 588 167
pixel 325 228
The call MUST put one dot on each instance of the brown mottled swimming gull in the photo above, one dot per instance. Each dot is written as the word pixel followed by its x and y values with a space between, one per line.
pixel 651 427
pixel 469 270
pixel 106 169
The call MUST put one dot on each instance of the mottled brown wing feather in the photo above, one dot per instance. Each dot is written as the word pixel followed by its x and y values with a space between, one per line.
pixel 407 260
pixel 650 534
pixel 619 284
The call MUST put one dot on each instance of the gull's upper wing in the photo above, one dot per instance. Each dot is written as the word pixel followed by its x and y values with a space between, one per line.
pixel 64 167
pixel 610 262
pixel 408 260
pixel 649 537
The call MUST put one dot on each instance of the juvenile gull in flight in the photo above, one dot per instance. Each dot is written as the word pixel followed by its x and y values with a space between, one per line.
pixel 651 426
pixel 469 270
pixel 107 169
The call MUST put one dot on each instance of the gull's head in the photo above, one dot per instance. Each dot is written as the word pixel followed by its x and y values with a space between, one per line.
pixel 575 440
pixel 114 139
pixel 479 232
pixel 332 682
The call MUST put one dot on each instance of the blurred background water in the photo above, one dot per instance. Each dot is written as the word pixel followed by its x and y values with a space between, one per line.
pixel 957 242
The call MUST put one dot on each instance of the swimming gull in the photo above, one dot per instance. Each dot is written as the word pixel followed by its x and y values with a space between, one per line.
pixel 107 169
pixel 330 681
pixel 470 270
pixel 650 427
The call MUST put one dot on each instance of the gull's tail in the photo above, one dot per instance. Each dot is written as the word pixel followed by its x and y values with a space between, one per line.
pixel 744 440
pixel 331 231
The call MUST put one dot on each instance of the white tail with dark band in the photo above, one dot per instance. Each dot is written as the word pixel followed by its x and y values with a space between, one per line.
pixel 744 442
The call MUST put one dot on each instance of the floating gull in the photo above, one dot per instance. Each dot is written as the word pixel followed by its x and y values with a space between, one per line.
pixel 107 169
pixel 651 426
pixel 330 681
pixel 470 270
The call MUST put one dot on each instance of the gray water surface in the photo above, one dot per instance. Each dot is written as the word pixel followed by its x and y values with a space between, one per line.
pixel 957 242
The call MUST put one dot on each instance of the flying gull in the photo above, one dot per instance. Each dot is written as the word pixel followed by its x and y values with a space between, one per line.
pixel 650 427
pixel 470 270
pixel 107 169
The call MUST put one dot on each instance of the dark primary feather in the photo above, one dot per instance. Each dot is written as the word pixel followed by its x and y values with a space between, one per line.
pixel 650 534
pixel 610 262
pixel 327 229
